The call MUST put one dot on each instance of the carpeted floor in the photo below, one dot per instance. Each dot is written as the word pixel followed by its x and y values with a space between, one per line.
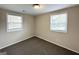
pixel 36 46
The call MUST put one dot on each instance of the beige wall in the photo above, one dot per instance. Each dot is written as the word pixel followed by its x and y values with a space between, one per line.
pixel 69 40
pixel 40 26
pixel 9 38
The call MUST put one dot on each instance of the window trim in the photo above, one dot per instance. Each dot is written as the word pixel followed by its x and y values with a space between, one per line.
pixel 62 31
pixel 15 30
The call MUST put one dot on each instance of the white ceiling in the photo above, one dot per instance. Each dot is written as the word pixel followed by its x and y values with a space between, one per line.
pixel 28 9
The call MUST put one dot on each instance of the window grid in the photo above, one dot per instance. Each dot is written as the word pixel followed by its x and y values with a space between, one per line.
pixel 59 22
pixel 14 23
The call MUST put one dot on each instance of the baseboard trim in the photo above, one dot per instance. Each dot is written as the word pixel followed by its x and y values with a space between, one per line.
pixel 40 38
pixel 58 44
pixel 15 42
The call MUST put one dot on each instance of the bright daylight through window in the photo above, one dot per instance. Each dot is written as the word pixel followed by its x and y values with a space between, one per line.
pixel 58 23
pixel 14 23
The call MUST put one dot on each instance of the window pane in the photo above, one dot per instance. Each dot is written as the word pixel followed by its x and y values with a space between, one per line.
pixel 59 22
pixel 12 18
pixel 14 23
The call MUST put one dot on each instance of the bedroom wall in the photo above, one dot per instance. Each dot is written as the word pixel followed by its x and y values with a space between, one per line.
pixel 69 40
pixel 9 38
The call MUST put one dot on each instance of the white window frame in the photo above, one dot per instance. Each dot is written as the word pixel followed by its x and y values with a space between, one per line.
pixel 64 31
pixel 15 29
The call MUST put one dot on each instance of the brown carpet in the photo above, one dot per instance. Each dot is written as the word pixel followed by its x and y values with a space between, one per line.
pixel 36 46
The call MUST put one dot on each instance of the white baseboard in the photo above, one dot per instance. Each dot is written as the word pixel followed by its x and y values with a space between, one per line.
pixel 58 45
pixel 14 42
pixel 41 38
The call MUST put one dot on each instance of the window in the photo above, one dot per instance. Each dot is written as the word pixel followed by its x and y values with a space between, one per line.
pixel 14 23
pixel 59 23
